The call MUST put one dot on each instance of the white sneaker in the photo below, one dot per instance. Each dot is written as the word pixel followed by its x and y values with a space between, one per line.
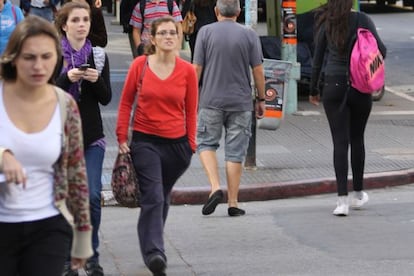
pixel 342 206
pixel 357 203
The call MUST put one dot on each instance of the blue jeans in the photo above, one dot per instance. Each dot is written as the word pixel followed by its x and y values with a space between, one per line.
pixel 94 156
pixel 45 13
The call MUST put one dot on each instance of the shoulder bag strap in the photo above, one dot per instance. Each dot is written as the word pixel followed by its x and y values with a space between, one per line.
pixel 141 77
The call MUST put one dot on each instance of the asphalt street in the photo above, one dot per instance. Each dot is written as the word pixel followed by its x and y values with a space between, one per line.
pixel 296 236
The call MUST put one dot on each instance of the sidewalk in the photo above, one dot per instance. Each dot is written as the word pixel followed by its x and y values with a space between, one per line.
pixel 295 160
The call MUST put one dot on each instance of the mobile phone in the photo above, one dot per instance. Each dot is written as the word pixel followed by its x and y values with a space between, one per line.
pixel 84 66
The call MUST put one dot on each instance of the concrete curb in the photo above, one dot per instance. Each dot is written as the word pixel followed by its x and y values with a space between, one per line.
pixel 271 191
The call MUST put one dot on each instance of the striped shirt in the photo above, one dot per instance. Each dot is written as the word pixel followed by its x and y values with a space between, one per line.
pixel 153 10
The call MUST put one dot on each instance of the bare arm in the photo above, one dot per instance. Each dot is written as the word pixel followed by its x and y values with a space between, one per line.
pixel 136 35
pixel 198 69
pixel 259 80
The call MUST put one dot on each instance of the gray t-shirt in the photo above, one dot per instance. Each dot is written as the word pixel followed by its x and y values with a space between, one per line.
pixel 227 50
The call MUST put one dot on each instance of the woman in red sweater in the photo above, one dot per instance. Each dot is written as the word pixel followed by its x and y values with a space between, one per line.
pixel 164 127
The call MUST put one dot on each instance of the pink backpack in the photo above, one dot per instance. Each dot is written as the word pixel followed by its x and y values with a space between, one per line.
pixel 367 68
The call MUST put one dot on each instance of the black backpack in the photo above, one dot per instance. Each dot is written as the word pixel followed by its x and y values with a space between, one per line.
pixel 127 7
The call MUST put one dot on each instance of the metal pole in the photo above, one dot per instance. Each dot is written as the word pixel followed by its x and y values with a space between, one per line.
pixel 250 19
pixel 289 42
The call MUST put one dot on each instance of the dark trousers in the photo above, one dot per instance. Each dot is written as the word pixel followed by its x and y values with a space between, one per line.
pixel 158 167
pixel 191 42
pixel 347 111
pixel 36 248
pixel 132 45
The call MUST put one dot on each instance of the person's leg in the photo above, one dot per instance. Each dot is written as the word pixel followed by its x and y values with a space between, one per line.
pixel 360 108
pixel 25 6
pixel 337 114
pixel 191 42
pixel 147 164
pixel 176 159
pixel 45 13
pixel 132 45
pixel 209 161
pixel 47 245
pixel 10 246
pixel 238 132
pixel 233 176
pixel 94 157
pixel 209 131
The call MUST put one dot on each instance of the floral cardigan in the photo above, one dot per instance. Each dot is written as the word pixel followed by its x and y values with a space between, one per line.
pixel 70 180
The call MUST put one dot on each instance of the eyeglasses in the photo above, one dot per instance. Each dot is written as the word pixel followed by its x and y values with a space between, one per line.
pixel 165 32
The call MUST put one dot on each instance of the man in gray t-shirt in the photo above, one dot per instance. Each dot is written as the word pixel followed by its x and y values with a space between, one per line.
pixel 224 53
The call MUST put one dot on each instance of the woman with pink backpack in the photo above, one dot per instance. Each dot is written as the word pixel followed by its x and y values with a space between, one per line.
pixel 347 108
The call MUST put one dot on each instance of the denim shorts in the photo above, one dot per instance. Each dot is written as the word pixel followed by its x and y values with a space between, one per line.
pixel 237 127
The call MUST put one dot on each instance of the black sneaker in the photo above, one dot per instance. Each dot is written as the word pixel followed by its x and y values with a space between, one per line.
pixel 92 268
pixel 67 271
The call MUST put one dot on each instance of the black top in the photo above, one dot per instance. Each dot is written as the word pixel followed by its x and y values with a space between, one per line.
pixel 336 63
pixel 204 11
pixel 97 34
pixel 92 95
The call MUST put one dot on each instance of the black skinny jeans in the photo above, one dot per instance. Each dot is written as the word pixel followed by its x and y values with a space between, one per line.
pixel 347 121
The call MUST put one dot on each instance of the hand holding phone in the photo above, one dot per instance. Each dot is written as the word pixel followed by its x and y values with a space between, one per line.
pixel 84 66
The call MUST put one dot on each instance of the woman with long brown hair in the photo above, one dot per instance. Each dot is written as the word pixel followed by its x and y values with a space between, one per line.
pixel 346 108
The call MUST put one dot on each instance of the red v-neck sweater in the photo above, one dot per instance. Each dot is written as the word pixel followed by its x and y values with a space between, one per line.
pixel 166 108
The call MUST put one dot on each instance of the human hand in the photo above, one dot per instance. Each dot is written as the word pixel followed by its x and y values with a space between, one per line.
pixel 77 263
pixel 90 74
pixel 260 109
pixel 123 148
pixel 98 3
pixel 75 74
pixel 314 99
pixel 13 170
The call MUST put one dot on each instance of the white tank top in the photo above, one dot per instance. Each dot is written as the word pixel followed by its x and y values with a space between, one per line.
pixel 37 152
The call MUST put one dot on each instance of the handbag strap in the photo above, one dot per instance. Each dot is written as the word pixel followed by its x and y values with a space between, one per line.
pixel 141 77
